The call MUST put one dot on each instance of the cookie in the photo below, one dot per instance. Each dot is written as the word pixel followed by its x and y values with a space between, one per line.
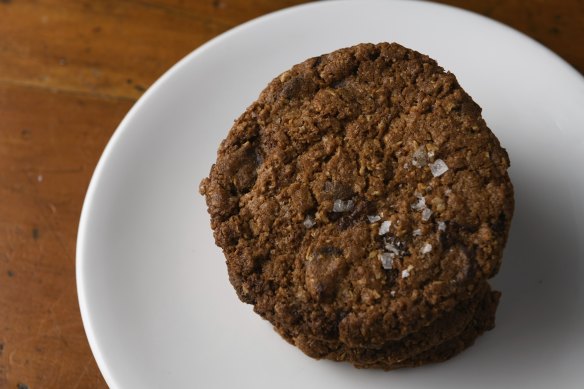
pixel 484 320
pixel 447 327
pixel 359 202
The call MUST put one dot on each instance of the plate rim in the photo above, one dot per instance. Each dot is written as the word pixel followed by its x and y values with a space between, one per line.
pixel 119 132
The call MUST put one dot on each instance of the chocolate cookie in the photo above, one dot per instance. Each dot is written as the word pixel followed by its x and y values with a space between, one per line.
pixel 361 203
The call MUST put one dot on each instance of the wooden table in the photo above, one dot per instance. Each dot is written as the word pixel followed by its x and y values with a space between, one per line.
pixel 69 71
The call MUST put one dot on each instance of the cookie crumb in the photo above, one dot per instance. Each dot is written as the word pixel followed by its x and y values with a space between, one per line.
pixel 438 168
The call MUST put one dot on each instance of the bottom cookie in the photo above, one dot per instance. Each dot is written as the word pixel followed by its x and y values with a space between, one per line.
pixel 483 320
pixel 440 341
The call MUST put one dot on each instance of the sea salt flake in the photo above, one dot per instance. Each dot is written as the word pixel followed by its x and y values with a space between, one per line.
pixel 392 248
pixel 420 157
pixel 441 226
pixel 343 205
pixel 373 218
pixel 426 248
pixel 426 213
pixel 420 204
pixel 448 191
pixel 392 293
pixel 438 168
pixel 405 273
pixel 384 228
pixel 417 232
pixel 308 222
pixel 386 260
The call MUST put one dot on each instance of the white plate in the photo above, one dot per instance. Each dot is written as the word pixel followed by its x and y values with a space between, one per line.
pixel 156 302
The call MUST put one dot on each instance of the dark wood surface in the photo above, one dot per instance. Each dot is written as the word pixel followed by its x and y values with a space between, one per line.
pixel 69 71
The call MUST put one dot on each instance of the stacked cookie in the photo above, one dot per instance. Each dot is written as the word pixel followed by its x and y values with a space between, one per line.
pixel 362 205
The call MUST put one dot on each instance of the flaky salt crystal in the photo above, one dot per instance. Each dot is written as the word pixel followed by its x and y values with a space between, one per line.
pixel 441 226
pixel 308 222
pixel 438 168
pixel 390 247
pixel 373 218
pixel 386 260
pixel 426 248
pixel 392 293
pixel 420 158
pixel 384 228
pixel 426 213
pixel 405 273
pixel 420 204
pixel 417 232
pixel 343 206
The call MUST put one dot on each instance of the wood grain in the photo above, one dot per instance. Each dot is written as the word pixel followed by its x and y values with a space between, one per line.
pixel 69 71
